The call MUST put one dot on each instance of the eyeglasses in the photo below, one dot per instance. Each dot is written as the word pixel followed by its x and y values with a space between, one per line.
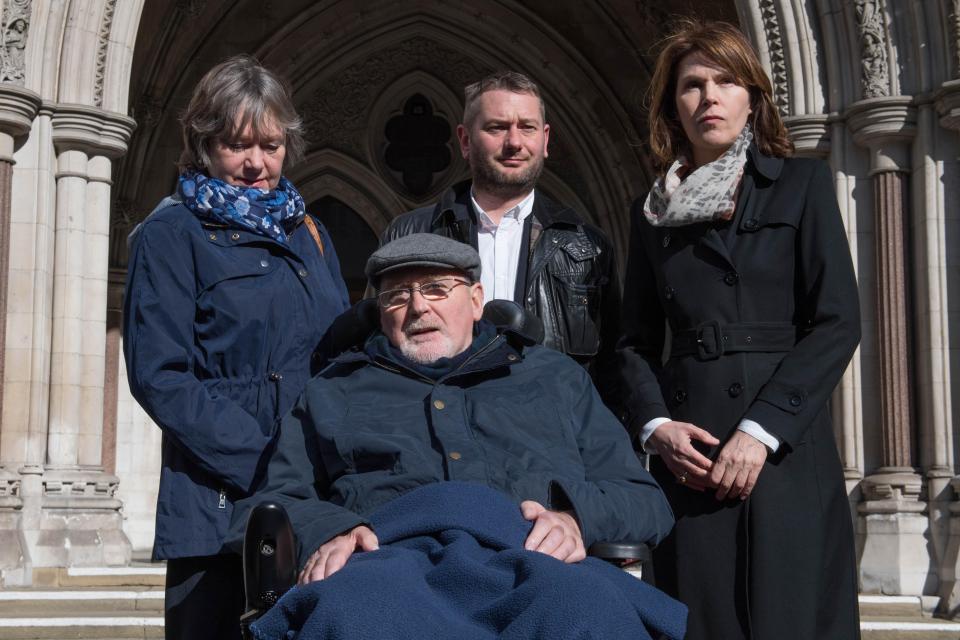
pixel 436 290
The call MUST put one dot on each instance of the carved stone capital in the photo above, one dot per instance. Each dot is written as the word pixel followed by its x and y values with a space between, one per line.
pixel 948 104
pixel 78 127
pixel 810 134
pixel 73 488
pixel 892 490
pixel 9 490
pixel 885 126
pixel 18 108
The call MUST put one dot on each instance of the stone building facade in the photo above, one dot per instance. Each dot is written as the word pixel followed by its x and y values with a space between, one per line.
pixel 90 91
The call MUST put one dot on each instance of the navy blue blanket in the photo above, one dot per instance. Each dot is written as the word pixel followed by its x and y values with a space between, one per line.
pixel 451 564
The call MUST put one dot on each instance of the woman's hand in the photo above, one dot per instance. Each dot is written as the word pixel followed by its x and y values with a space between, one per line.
pixel 334 553
pixel 736 469
pixel 674 442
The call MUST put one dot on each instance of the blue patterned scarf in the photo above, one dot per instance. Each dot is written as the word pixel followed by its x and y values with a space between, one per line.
pixel 269 213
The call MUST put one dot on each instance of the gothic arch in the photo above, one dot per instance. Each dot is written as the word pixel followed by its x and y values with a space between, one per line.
pixel 331 173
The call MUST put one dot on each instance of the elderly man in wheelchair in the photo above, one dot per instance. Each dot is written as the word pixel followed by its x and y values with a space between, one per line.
pixel 445 478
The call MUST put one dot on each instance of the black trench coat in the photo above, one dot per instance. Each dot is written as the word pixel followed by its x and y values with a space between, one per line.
pixel 764 316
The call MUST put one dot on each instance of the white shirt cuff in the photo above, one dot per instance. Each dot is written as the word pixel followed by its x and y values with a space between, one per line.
pixel 751 428
pixel 647 431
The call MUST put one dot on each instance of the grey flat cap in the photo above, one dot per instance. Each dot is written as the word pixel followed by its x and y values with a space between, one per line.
pixel 423 250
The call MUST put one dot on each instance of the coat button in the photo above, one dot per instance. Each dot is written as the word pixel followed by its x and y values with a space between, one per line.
pixel 512 357
pixel 275 376
pixel 234 236
pixel 666 241
pixel 679 396
pixel 439 404
pixel 669 292
pixel 212 236
pixel 530 300
pixel 264 264
pixel 751 223
pixel 455 455
pixel 555 240
pixel 735 389
pixel 731 278
pixel 302 273
pixel 795 401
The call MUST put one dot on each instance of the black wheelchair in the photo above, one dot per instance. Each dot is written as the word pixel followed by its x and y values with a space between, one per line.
pixel 269 549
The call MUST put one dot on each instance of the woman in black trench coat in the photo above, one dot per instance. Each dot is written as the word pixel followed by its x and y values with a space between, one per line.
pixel 741 250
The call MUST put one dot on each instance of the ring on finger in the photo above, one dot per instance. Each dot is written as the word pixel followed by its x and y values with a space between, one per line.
pixel 682 478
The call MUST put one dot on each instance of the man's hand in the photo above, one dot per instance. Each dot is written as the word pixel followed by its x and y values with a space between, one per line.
pixel 334 553
pixel 736 469
pixel 674 442
pixel 555 533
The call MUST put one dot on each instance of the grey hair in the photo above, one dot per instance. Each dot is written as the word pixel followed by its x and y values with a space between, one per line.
pixel 234 94
pixel 511 81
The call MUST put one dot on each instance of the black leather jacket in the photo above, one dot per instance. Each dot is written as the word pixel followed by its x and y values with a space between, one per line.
pixel 571 277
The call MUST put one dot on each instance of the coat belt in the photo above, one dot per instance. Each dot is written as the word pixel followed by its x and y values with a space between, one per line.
pixel 710 340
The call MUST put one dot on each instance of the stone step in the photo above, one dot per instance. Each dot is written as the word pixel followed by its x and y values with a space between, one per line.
pixel 896 628
pixel 890 606
pixel 148 575
pixel 100 627
pixel 63 602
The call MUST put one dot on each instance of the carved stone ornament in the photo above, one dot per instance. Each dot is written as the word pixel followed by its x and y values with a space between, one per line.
pixel 874 71
pixel 103 39
pixel 16 25
pixel 336 115
pixel 955 35
pixel 778 63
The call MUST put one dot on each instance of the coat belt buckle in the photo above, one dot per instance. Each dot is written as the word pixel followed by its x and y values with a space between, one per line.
pixel 710 343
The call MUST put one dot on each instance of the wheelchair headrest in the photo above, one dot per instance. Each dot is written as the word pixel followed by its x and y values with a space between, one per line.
pixel 354 326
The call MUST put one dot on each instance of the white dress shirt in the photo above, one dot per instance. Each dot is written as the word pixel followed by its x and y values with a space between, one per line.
pixel 499 248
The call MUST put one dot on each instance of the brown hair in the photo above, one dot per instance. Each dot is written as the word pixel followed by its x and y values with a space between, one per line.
pixel 237 92
pixel 724 45
pixel 511 81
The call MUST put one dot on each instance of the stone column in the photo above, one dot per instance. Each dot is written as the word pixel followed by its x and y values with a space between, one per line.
pixel 895 558
pixel 80 520
pixel 948 107
pixel 18 107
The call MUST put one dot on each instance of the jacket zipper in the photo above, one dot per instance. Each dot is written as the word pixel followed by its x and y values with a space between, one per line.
pixel 223 499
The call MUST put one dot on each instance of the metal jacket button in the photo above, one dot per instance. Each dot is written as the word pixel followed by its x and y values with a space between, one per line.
pixel 669 292
pixel 213 236
pixel 731 278
pixel 735 389
pixel 666 241
pixel 679 395
pixel 234 236
pixel 264 264
pixel 455 455
pixel 795 401
pixel 439 404
pixel 751 224
pixel 302 273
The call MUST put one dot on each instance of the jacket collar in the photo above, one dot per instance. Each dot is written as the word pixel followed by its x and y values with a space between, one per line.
pixel 455 204
pixel 767 166
pixel 504 350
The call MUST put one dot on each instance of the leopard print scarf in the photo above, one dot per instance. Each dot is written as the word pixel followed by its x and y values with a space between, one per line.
pixel 704 194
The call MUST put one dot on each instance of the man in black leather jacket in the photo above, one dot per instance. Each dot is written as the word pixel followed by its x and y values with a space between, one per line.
pixel 542 255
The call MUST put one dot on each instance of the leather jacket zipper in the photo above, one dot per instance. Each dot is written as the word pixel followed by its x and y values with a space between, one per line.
pixel 223 499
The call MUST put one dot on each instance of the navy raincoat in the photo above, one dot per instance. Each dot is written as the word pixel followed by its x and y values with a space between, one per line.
pixel 221 328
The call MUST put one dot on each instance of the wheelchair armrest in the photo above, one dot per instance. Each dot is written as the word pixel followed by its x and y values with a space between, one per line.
pixel 269 560
pixel 621 551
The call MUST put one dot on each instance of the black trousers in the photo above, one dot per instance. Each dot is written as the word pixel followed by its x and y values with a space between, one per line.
pixel 204 598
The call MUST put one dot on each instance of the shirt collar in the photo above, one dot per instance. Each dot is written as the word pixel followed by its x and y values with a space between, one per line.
pixel 520 211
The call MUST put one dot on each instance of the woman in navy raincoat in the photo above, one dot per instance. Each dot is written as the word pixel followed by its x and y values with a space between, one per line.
pixel 231 286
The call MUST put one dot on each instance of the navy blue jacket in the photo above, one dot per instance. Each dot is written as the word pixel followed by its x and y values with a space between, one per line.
pixel 220 326
pixel 525 421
